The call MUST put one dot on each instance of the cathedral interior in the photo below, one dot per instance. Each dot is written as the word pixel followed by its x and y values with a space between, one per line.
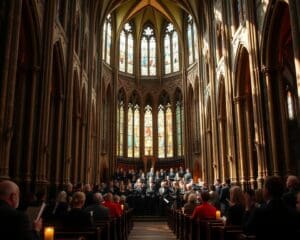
pixel 89 86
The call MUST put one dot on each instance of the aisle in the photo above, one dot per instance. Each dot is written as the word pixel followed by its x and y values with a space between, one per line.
pixel 151 230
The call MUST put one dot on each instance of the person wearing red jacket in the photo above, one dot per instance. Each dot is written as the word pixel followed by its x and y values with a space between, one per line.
pixel 114 211
pixel 205 210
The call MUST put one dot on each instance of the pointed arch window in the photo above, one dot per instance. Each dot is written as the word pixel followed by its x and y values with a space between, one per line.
pixel 126 49
pixel 192 40
pixel 107 35
pixel 179 124
pixel 148 52
pixel 171 50
pixel 148 128
pixel 165 128
pixel 133 129
pixel 120 125
pixel 161 132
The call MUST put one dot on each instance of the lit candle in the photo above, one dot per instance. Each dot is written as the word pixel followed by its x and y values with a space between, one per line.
pixel 122 207
pixel 218 214
pixel 49 233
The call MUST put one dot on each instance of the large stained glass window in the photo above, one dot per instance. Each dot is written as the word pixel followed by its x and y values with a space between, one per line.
pixel 167 54
pixel 161 132
pixel 169 131
pixel 136 132
pixel 179 124
pixel 192 40
pixel 130 131
pixel 122 64
pixel 148 52
pixel 171 50
pixel 148 128
pixel 107 35
pixel 120 129
pixel 126 49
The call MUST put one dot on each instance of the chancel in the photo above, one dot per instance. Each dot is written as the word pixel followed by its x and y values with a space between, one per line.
pixel 150 119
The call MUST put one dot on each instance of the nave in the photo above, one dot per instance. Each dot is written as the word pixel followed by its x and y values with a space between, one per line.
pixel 148 230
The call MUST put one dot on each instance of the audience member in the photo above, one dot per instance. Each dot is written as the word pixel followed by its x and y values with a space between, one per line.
pixel 15 224
pixel 205 210
pixel 235 211
pixel 99 212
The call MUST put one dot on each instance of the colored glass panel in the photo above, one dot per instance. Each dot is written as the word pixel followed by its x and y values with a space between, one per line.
pixel 169 132
pixel 161 132
pixel 130 54
pixel 136 136
pixel 148 131
pixel 152 57
pixel 167 54
pixel 175 52
pixel 122 62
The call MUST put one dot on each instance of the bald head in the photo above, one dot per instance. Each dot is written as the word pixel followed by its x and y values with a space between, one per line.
pixel 10 193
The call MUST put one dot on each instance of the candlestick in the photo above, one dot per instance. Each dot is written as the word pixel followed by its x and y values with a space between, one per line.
pixel 49 233
pixel 218 214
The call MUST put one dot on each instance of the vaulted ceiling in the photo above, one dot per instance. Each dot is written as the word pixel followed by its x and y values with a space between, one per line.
pixel 155 11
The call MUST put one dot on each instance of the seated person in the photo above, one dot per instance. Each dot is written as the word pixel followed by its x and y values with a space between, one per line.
pixel 113 209
pixel 76 217
pixel 274 220
pixel 235 211
pixel 189 207
pixel 205 210
pixel 61 206
pixel 99 212
pixel 15 224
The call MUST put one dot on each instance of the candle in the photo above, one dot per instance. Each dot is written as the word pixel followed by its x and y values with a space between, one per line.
pixel 122 207
pixel 49 233
pixel 218 214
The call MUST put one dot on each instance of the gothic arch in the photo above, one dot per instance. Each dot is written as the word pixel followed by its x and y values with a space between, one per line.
pixel 281 91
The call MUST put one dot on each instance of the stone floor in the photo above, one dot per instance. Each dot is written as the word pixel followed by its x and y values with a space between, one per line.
pixel 151 230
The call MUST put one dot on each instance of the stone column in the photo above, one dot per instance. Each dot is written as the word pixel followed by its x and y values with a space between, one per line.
pixel 239 101
pixel 273 136
pixel 8 85
pixel 46 76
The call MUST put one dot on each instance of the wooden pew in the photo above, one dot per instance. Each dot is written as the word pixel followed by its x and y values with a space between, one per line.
pixel 88 234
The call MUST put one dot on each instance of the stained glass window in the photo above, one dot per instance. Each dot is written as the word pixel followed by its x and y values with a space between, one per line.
pixel 171 50
pixel 106 47
pixel 130 54
pixel 175 52
pixel 167 54
pixel 148 128
pixel 136 136
pixel 144 56
pixel 195 42
pixel 108 43
pixel 169 131
pixel 179 128
pixel 190 42
pixel 161 132
pixel 290 106
pixel 126 49
pixel 152 57
pixel 122 62
pixel 148 52
pixel 120 129
pixel 130 132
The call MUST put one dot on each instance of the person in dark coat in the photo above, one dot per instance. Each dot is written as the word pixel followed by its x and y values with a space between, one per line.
pixel 274 220
pixel 15 224
pixel 99 212
pixel 77 218
pixel 289 198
